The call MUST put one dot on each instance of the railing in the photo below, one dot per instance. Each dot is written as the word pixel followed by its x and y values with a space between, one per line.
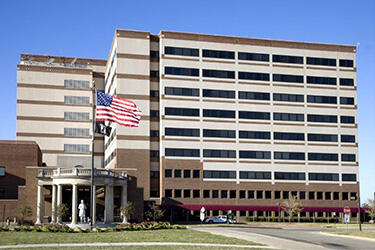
pixel 81 172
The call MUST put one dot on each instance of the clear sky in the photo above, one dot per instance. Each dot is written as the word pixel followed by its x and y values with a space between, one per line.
pixel 85 29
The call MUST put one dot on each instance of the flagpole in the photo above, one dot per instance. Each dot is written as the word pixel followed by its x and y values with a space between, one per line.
pixel 92 191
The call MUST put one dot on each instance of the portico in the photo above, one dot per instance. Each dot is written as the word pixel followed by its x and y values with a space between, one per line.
pixel 76 179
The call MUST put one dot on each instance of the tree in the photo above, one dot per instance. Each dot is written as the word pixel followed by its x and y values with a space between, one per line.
pixel 62 211
pixel 154 212
pixel 25 211
pixel 370 208
pixel 127 212
pixel 291 206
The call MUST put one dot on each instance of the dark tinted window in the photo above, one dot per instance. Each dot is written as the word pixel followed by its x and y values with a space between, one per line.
pixel 346 63
pixel 181 71
pixel 347 138
pixel 154 73
pixel 154 153
pixel 322 118
pixel 323 157
pixel 289 156
pixel 254 95
pixel 288 117
pixel 219 93
pixel 196 173
pixel 255 154
pixel 322 99
pixel 347 100
pixel 182 111
pixel 288 97
pixel 168 173
pixel 154 113
pixel 219 113
pixel 219 174
pixel 187 173
pixel 289 176
pixel 218 54
pixel 348 157
pixel 219 133
pixel 255 135
pixel 177 173
pixel 218 73
pixel 182 131
pixel 289 136
pixel 217 153
pixel 254 76
pixel 347 119
pixel 346 82
pixel 154 53
pixel 253 57
pixel 255 175
pixel 182 152
pixel 287 78
pixel 255 115
pixel 323 177
pixel 287 59
pixel 181 91
pixel 181 51
pixel 321 61
pixel 322 137
pixel 154 93
pixel 321 80
pixel 349 177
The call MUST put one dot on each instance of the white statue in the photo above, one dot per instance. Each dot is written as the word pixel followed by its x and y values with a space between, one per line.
pixel 82 212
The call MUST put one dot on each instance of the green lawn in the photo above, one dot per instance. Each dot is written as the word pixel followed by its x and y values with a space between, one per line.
pixel 150 247
pixel 172 235
pixel 367 234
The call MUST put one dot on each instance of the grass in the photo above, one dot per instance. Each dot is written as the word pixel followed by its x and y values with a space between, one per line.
pixel 14 238
pixel 150 247
pixel 367 234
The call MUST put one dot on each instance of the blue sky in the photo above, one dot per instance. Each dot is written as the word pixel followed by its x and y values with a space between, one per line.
pixel 86 28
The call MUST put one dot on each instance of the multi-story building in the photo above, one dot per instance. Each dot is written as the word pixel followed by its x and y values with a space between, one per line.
pixel 229 123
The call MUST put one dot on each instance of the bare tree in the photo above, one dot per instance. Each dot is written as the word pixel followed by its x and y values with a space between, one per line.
pixel 127 212
pixel 370 208
pixel 25 211
pixel 291 207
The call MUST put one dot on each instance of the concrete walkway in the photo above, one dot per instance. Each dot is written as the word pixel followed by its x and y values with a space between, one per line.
pixel 117 244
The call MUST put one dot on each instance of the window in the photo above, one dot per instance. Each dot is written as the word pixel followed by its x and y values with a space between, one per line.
pixel 311 195
pixel 327 196
pixel 289 156
pixel 253 57
pixel 2 171
pixel 345 196
pixel 232 194
pixel 196 193
pixel 348 157
pixel 302 195
pixel 187 173
pixel 218 73
pixel 268 194
pixel 154 73
pixel 215 194
pixel 321 80
pixel 182 111
pixel 287 78
pixel 322 137
pixel 347 100
pixel 321 61
pixel 219 113
pixel 154 113
pixel 277 194
pixel 347 119
pixel 181 71
pixel 76 84
pixel 322 157
pixel 254 76
pixel 218 54
pixel 215 174
pixel 322 118
pixel 255 175
pixel 288 136
pixel 76 148
pixel 182 152
pixel 154 153
pixel 288 117
pixel 177 173
pixel 250 194
pixel 219 133
pixel 224 194
pixel 206 193
pixel 285 194
pixel 154 174
pixel 154 133
pixel 347 138
pixel 289 176
pixel 288 97
pixel 349 177
pixel 154 53
pixel 254 115
pixel 187 193
pixel 255 135
pixel 76 132
pixel 154 93
pixel 196 173
pixel 287 59
pixel 168 173
pixel 168 193
pixel 76 116
pixel 336 196
pixel 255 154
pixel 242 194
pixel 216 153
pixel 346 82
pixel 259 194
pixel 346 63
pixel 181 51
pixel 181 91
pixel 322 99
pixel 319 195
pixel 177 193
pixel 193 132
pixel 78 100
pixel 219 93
pixel 323 177
pixel 254 95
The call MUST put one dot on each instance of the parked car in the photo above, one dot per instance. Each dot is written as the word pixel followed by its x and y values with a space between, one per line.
pixel 220 219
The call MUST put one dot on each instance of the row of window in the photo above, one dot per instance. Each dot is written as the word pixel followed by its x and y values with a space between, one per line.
pixel 258 194
pixel 257 76
pixel 76 84
pixel 222 54
pixel 77 100
pixel 76 132
pixel 76 148
pixel 247 154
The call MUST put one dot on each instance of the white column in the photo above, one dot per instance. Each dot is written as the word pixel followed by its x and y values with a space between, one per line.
pixel 74 203
pixel 124 200
pixel 39 205
pixel 59 201
pixel 54 210
pixel 93 219
pixel 108 215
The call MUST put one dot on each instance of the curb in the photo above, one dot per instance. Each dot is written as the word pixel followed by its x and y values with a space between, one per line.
pixel 349 236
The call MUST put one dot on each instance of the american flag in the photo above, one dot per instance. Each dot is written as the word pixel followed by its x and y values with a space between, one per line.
pixel 118 110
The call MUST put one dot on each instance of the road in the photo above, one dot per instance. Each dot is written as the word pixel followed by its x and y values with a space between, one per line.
pixel 291 238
